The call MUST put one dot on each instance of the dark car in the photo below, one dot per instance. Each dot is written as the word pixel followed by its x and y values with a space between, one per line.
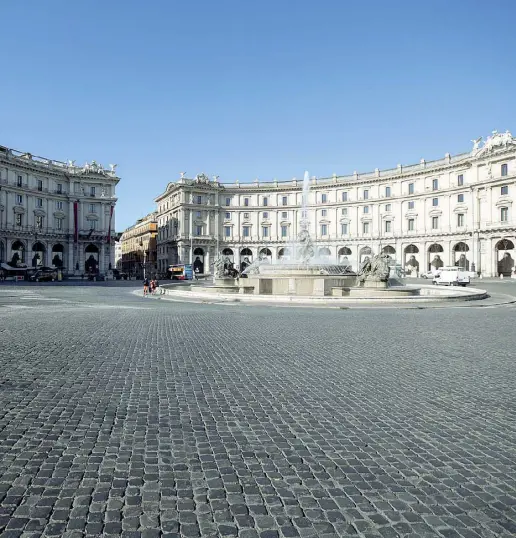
pixel 43 276
pixel 119 275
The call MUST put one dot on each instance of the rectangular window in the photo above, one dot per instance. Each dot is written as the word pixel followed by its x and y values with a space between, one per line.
pixel 411 204
pixel 503 171
pixel 284 215
pixel 366 209
pixel 246 215
pixel 435 184
pixel 388 207
pixel 39 202
pixel 18 219
pixel 504 214
pixel 460 219
pixel 460 198
pixel 92 191
pixel 324 198
pixel 435 202
pixel 460 180
pixel 284 200
pixel 265 231
pixel 435 223
pixel 284 231
pixel 246 202
pixel 410 223
pixel 366 194
pixel 92 208
pixel 93 224
pixel 228 215
pixel 365 227
pixel 40 185
pixel 265 214
pixel 504 190
pixel 59 205
pixel 199 199
pixel 344 197
pixel 344 228
pixel 19 181
pixel 59 188
pixel 19 199
pixel 227 231
pixel 387 192
pixel 324 212
pixel 324 229
pixel 265 201
pixel 387 226
pixel 198 230
pixel 59 224
pixel 411 188
pixel 344 211
pixel 39 222
pixel 228 201
pixel 247 231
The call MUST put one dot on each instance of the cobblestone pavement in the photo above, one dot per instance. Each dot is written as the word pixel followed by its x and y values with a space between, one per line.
pixel 132 417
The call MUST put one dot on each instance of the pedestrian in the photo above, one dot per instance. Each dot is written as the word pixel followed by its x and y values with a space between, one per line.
pixel 156 286
pixel 152 286
pixel 145 287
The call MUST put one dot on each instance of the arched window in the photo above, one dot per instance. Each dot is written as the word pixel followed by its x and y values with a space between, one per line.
pixel 411 249
pixel 18 253
pixel 505 262
pixel 435 248
pixel 57 255
pixel 38 257
pixel 91 265
pixel 389 250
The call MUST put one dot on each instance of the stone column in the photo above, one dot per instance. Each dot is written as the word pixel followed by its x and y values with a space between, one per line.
pixel 102 259
pixel 191 236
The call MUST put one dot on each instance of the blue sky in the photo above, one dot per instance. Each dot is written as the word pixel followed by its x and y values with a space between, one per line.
pixel 249 90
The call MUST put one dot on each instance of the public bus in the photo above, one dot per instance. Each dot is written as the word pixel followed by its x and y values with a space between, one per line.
pixel 180 272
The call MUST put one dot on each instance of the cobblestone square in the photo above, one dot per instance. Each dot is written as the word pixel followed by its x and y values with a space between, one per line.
pixel 132 417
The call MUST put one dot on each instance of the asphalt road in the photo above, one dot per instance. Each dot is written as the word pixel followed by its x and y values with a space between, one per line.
pixel 133 417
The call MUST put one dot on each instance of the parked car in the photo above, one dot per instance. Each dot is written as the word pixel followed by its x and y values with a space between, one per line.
pixel 43 276
pixel 119 275
pixel 428 274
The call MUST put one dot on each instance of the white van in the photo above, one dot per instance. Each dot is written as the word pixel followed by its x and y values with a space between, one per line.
pixel 451 276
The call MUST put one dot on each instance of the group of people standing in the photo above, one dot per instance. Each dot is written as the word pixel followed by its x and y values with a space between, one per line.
pixel 150 287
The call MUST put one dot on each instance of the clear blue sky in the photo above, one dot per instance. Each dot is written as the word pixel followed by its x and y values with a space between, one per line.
pixel 245 90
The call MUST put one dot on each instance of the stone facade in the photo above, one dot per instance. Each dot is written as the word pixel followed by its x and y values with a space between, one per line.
pixel 56 214
pixel 139 247
pixel 453 211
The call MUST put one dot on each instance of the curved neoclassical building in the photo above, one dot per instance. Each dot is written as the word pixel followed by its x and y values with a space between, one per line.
pixel 56 214
pixel 452 211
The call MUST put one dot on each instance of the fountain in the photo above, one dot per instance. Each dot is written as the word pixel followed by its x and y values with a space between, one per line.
pixel 302 272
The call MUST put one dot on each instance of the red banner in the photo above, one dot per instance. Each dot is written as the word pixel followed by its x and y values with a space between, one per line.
pixel 75 223
pixel 110 219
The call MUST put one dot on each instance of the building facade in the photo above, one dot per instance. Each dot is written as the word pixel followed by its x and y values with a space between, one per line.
pixel 56 214
pixel 138 244
pixel 453 211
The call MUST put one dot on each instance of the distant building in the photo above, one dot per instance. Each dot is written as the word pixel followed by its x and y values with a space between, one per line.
pixel 138 244
pixel 56 214
pixel 453 211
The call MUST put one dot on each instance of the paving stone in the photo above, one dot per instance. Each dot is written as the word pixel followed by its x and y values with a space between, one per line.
pixel 207 420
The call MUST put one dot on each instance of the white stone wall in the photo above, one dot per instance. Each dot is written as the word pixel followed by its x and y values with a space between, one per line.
pixel 34 187
pixel 411 197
